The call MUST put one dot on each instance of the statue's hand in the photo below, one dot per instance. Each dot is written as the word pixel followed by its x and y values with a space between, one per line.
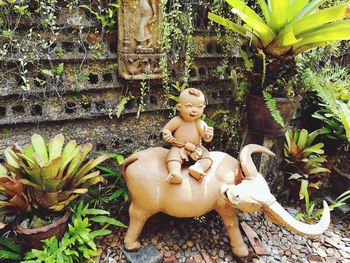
pixel 168 137
pixel 154 19
pixel 190 146
pixel 208 133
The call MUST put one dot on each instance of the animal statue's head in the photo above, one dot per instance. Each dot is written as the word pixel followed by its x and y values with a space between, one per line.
pixel 253 194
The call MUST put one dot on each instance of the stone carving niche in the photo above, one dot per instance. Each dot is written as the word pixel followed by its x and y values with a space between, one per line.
pixel 139 33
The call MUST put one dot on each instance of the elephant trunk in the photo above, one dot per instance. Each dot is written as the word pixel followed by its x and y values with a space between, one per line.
pixel 245 157
pixel 278 215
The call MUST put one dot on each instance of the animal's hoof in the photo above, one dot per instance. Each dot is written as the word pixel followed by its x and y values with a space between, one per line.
pixel 196 172
pixel 132 246
pixel 174 178
pixel 240 251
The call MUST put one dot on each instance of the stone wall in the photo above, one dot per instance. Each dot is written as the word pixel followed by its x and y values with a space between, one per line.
pixel 81 102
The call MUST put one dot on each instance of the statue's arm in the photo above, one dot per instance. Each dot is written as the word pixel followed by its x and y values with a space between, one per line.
pixel 168 130
pixel 207 132
pixel 154 8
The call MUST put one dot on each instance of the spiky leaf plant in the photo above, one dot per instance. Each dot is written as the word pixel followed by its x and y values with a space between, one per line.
pixel 55 173
pixel 305 158
pixel 285 29
pixel 12 190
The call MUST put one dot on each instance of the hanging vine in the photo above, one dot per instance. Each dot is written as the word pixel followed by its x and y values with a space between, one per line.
pixel 176 43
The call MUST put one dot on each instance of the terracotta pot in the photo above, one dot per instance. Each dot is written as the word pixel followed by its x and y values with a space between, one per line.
pixel 259 119
pixel 32 237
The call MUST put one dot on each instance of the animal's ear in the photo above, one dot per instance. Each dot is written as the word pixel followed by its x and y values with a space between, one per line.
pixel 178 106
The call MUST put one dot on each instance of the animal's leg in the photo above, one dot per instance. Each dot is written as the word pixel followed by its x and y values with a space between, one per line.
pixel 228 215
pixel 138 217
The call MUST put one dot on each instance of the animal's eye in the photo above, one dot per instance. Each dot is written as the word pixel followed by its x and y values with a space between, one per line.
pixel 237 196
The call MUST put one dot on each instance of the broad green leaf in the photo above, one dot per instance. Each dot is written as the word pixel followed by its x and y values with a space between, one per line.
pixel 259 27
pixel 100 232
pixel 296 8
pixel 90 165
pixel 279 14
pixel 78 159
pixel 85 178
pixel 51 170
pixel 319 170
pixel 10 157
pixel 9 255
pixel 266 11
pixel 55 147
pixel 308 9
pixel 323 36
pixel 303 136
pixel 28 151
pixel 320 18
pixel 238 4
pixel 40 147
pixel 108 220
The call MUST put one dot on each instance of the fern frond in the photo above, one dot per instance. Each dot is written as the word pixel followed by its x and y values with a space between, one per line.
pixel 271 105
pixel 248 62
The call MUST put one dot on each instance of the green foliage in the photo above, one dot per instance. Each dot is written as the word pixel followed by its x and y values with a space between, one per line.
pixel 14 195
pixel 271 105
pixel 310 212
pixel 9 250
pixel 248 62
pixel 177 40
pixel 332 86
pixel 288 27
pixel 116 188
pixel 78 243
pixel 54 173
pixel 305 160
pixel 177 89
pixel 107 16
pixel 121 105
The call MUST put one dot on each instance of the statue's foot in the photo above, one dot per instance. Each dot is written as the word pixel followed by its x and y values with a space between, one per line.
pixel 241 251
pixel 196 172
pixel 174 178
pixel 132 246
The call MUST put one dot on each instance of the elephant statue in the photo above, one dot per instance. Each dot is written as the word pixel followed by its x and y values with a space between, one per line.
pixel 228 185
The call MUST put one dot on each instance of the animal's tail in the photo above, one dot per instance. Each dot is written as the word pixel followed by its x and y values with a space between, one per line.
pixel 131 159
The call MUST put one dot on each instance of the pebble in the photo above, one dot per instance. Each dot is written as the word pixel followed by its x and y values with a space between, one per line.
pixel 206 241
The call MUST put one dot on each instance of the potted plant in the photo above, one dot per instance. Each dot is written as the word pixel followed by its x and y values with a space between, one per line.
pixel 284 29
pixel 304 161
pixel 54 174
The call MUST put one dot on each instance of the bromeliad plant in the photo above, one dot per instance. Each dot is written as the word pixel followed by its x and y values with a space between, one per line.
pixel 305 160
pixel 285 29
pixel 54 173
pixel 14 198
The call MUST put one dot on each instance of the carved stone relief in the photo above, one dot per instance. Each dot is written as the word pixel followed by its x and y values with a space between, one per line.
pixel 138 36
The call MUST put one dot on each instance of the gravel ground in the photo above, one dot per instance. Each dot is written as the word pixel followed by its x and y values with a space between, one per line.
pixel 205 240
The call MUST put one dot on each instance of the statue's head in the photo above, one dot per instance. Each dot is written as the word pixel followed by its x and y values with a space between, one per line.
pixel 191 104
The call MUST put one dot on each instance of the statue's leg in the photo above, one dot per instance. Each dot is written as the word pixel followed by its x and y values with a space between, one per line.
pixel 174 168
pixel 138 218
pixel 228 215
pixel 200 167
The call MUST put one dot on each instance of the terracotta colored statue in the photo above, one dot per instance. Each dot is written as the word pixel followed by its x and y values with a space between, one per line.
pixel 185 133
pixel 148 15
pixel 223 189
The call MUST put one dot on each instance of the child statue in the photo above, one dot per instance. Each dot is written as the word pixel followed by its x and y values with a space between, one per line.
pixel 185 133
